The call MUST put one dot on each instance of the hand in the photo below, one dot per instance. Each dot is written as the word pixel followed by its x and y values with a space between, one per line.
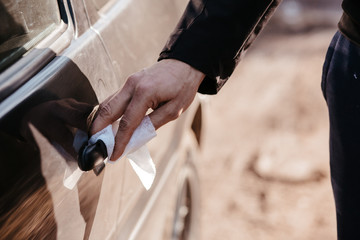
pixel 168 87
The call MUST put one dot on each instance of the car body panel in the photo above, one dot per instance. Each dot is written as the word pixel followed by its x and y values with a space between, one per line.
pixel 140 28
pixel 40 118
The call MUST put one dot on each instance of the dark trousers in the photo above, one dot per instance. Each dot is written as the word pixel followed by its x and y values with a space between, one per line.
pixel 341 88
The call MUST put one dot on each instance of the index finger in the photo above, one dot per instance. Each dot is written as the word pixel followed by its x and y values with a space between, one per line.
pixel 110 110
pixel 131 119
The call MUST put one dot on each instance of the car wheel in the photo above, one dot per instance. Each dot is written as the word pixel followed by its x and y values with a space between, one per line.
pixel 186 219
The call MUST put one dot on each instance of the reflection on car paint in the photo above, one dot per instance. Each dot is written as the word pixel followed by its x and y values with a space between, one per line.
pixel 36 145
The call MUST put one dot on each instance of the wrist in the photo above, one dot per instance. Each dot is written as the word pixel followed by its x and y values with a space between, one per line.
pixel 190 73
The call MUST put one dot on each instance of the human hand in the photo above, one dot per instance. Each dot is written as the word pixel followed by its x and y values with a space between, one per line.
pixel 168 87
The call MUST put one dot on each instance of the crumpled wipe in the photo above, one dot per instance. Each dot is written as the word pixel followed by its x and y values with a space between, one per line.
pixel 136 151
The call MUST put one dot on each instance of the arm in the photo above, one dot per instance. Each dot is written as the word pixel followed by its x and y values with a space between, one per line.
pixel 212 34
pixel 207 42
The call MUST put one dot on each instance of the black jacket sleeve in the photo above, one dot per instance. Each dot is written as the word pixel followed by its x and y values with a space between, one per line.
pixel 212 34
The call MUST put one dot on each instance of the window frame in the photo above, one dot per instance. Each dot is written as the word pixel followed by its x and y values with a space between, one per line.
pixel 32 61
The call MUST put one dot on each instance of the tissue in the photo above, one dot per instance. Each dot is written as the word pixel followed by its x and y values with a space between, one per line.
pixel 136 151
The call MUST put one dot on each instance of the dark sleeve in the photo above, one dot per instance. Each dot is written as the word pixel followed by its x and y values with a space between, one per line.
pixel 212 34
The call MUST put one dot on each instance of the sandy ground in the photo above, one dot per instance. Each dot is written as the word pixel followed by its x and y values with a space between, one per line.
pixel 264 169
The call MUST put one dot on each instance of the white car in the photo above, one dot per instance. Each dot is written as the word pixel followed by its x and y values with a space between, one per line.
pixel 58 60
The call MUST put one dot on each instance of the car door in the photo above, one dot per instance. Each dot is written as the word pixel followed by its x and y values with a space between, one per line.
pixel 54 69
pixel 134 32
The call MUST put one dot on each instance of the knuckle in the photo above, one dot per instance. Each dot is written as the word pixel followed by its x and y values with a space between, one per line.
pixel 105 111
pixel 173 114
pixel 124 124
pixel 143 90
pixel 132 80
pixel 144 94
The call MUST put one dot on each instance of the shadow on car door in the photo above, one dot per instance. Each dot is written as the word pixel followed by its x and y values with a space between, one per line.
pixel 40 114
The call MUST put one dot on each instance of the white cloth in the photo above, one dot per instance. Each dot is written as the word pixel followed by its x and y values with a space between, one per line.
pixel 107 136
pixel 136 151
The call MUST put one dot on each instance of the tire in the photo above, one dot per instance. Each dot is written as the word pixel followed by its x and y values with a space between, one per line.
pixel 187 211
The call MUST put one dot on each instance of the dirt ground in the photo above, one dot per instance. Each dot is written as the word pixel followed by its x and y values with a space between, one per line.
pixel 264 170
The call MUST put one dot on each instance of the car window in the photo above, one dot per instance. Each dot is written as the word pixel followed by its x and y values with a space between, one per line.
pixel 23 24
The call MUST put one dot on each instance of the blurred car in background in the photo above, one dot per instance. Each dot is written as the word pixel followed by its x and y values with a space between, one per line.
pixel 58 60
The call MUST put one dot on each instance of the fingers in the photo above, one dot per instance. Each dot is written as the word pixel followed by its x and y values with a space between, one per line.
pixel 172 109
pixel 111 109
pixel 132 117
pixel 164 114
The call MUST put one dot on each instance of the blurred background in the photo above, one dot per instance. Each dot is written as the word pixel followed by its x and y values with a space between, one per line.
pixel 264 169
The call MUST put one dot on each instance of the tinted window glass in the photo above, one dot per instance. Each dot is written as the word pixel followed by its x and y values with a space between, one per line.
pixel 23 24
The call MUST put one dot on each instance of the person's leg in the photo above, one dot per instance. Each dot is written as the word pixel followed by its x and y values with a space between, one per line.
pixel 341 88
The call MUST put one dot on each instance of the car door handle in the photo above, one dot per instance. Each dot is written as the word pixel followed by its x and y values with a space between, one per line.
pixel 92 157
